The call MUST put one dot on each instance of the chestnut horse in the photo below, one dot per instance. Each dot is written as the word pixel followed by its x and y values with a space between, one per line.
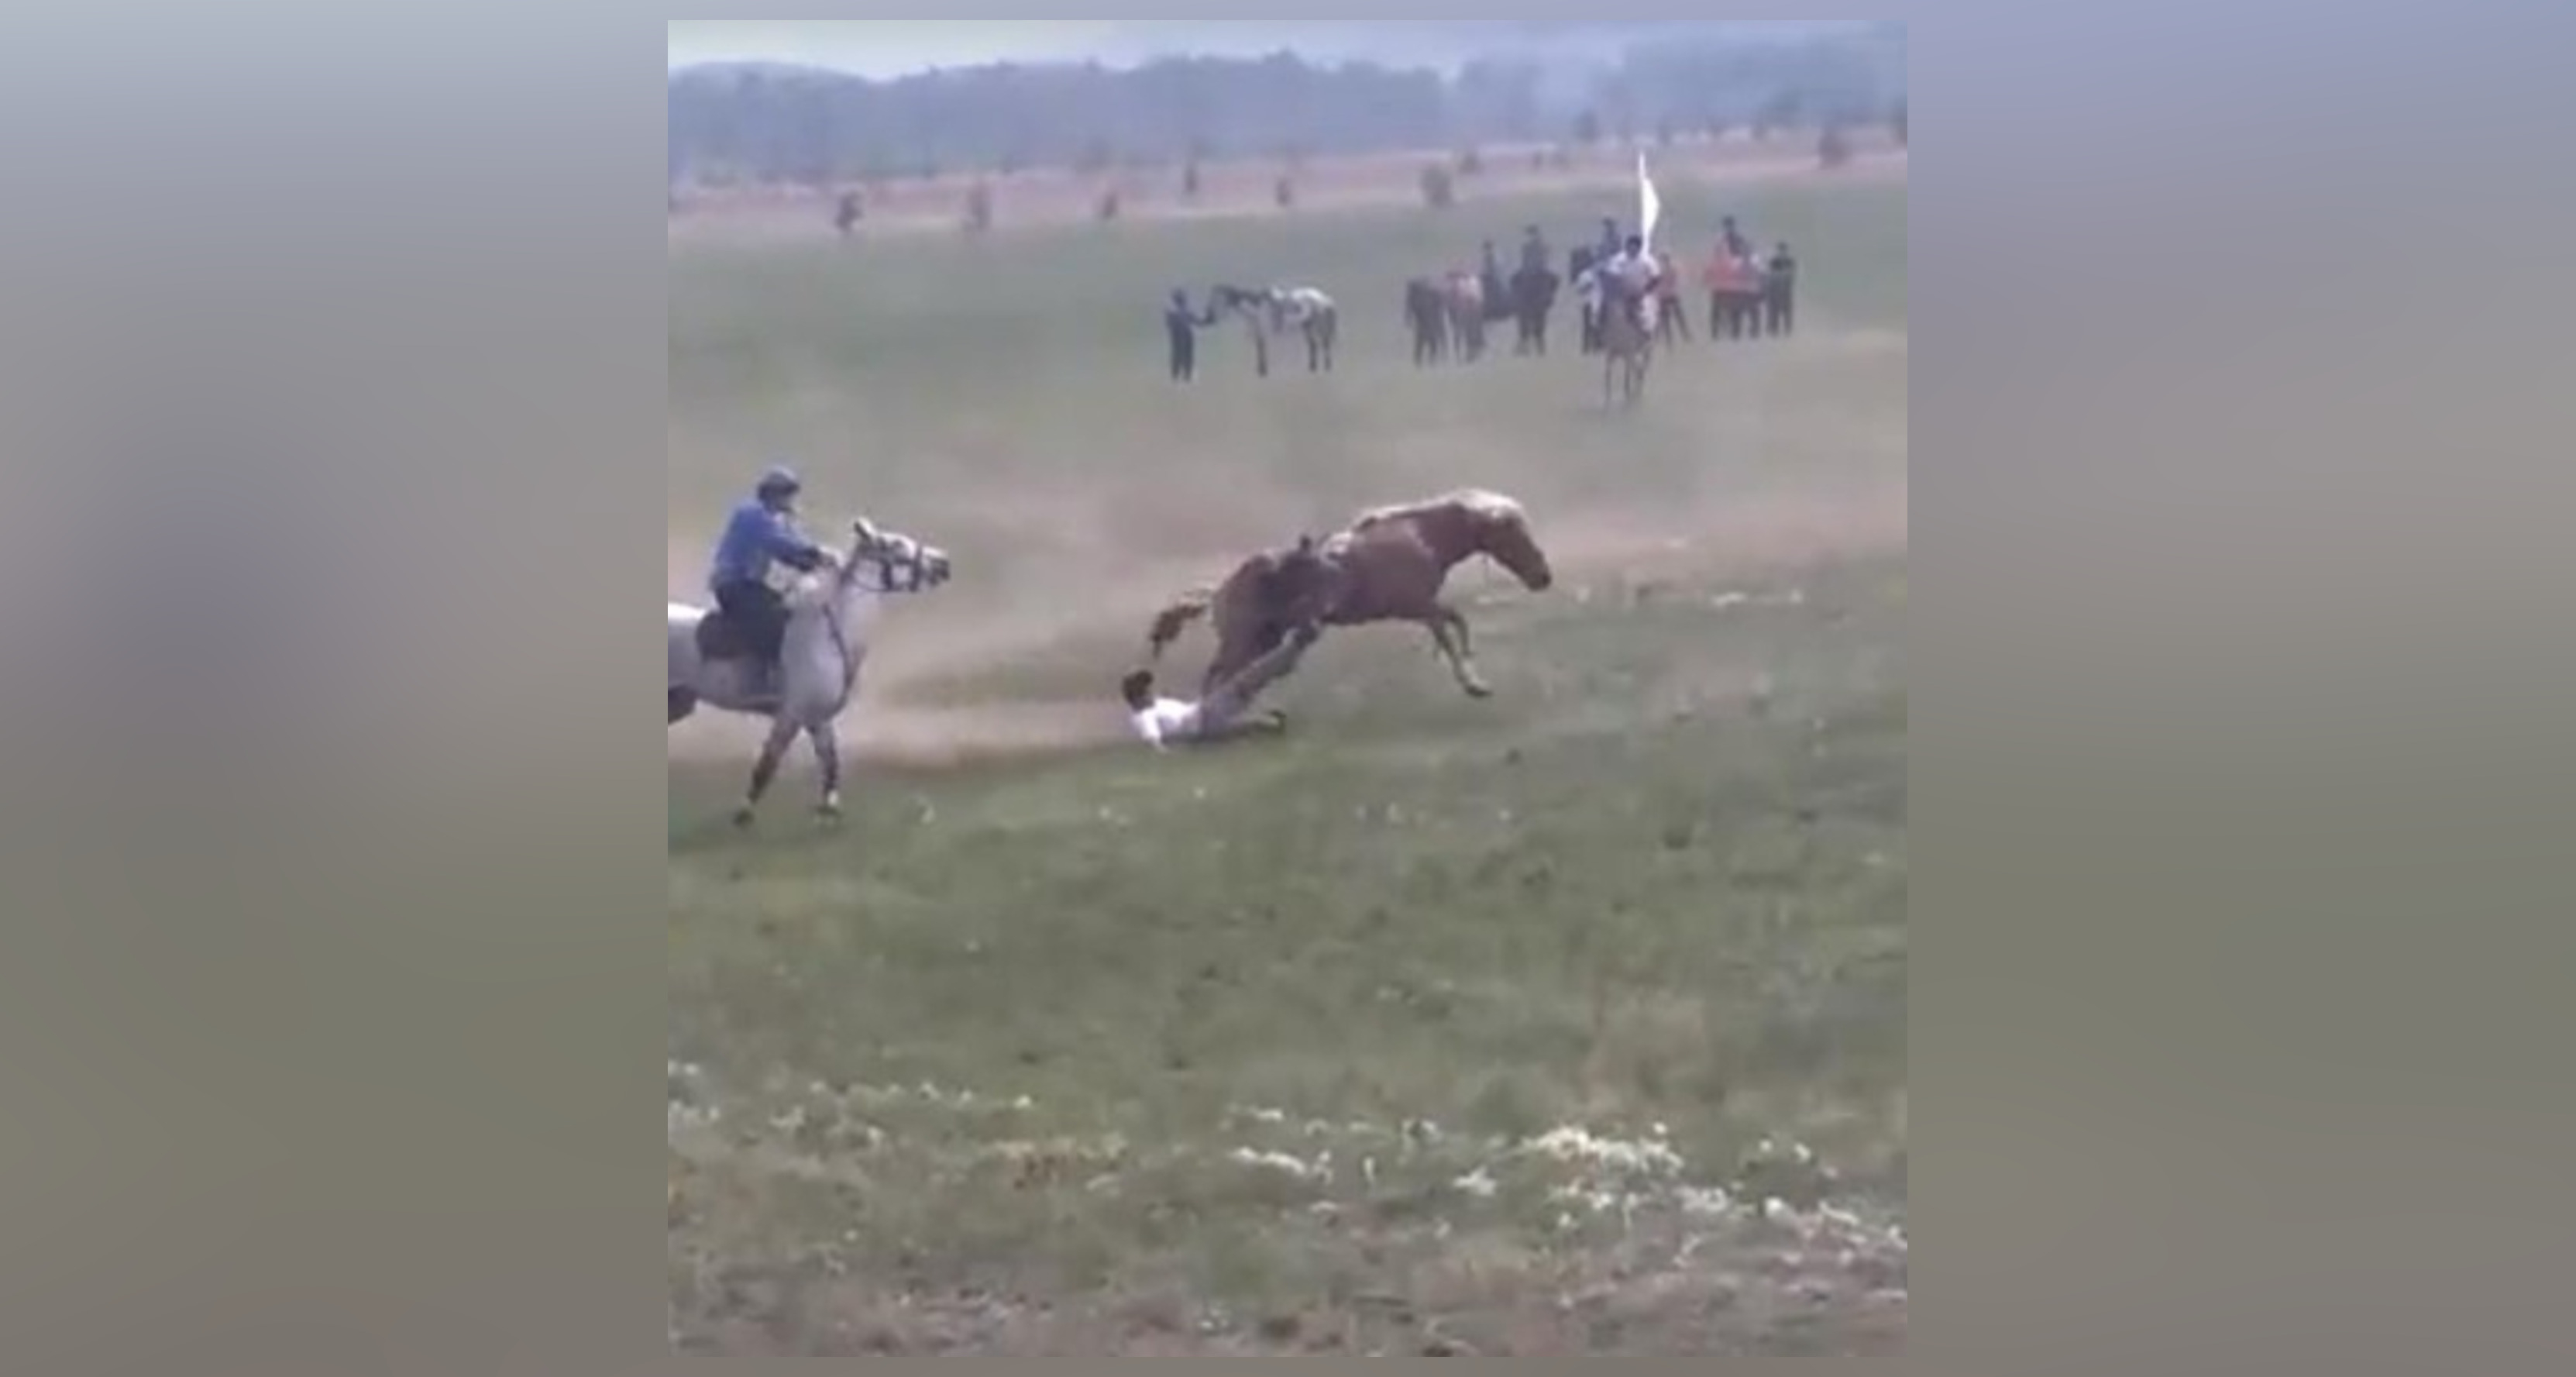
pixel 1389 566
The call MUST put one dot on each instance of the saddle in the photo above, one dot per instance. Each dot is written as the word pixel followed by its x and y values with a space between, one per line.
pixel 719 639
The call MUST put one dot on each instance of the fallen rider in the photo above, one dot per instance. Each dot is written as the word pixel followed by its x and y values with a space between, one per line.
pixel 1225 714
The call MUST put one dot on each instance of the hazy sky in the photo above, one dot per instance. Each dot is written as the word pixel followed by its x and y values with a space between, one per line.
pixel 885 46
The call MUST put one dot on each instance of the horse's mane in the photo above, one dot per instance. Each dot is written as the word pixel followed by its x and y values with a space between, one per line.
pixel 805 591
pixel 1481 503
pixel 809 590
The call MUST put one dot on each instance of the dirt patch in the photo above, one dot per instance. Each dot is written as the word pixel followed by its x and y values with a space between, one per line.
pixel 918 738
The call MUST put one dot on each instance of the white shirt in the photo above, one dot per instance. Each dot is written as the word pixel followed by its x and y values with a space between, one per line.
pixel 1168 721
pixel 1636 271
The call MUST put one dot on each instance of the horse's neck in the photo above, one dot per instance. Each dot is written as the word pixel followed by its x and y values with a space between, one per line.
pixel 1449 536
pixel 846 605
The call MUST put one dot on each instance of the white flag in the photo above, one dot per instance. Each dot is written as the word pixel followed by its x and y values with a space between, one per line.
pixel 1650 206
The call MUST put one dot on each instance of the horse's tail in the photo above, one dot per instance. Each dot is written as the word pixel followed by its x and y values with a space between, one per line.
pixel 1175 619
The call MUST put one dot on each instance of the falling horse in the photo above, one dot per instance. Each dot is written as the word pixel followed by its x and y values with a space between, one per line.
pixel 829 615
pixel 1389 566
pixel 1271 311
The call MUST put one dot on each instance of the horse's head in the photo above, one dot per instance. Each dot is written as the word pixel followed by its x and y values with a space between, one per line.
pixel 1501 531
pixel 895 562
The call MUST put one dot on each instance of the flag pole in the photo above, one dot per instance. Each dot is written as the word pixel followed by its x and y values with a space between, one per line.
pixel 1650 206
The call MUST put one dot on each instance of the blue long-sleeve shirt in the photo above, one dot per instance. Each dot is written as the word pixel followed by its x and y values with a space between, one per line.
pixel 755 537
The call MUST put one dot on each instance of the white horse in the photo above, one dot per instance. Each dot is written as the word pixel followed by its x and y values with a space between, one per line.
pixel 1272 311
pixel 829 615
pixel 1628 308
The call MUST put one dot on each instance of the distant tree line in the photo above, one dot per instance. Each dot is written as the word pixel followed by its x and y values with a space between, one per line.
pixel 769 124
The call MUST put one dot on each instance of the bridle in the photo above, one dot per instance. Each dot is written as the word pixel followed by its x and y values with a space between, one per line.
pixel 902 567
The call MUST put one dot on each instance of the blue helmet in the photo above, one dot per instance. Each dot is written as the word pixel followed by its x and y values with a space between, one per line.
pixel 780 483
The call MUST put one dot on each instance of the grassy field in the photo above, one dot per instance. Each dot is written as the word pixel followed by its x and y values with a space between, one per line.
pixel 1573 1021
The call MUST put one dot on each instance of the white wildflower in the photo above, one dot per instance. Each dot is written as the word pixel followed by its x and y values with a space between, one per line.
pixel 1577 1145
pixel 1478 1184
pixel 1705 1202
pixel 1282 1163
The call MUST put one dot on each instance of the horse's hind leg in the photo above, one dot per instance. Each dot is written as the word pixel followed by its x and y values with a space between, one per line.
pixel 827 758
pixel 1457 646
pixel 765 771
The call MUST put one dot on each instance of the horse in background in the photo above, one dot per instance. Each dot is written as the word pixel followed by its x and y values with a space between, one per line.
pixel 830 614
pixel 1389 565
pixel 1268 312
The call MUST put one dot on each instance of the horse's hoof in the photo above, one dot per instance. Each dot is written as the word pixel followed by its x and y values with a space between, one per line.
pixel 1479 691
pixel 744 819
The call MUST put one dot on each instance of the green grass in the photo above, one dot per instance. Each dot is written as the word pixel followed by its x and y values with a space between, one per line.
pixel 1247 1051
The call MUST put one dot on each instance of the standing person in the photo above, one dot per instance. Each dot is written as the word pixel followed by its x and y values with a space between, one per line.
pixel 1183 325
pixel 1736 243
pixel 1534 255
pixel 1579 265
pixel 1607 247
pixel 762 531
pixel 1671 318
pixel 1164 723
pixel 1713 276
pixel 1780 292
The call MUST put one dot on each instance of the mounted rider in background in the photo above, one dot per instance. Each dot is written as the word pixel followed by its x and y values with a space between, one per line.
pixel 1632 275
pixel 761 532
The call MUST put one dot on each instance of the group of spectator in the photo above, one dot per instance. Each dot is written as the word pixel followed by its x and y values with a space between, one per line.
pixel 1751 294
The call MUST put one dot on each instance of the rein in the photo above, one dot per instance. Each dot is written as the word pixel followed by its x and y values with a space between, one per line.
pixel 914 576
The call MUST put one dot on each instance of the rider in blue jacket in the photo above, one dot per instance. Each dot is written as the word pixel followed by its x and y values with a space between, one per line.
pixel 762 531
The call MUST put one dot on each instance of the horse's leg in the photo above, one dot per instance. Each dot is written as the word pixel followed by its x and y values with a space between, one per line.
pixel 765 771
pixel 826 737
pixel 1457 646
